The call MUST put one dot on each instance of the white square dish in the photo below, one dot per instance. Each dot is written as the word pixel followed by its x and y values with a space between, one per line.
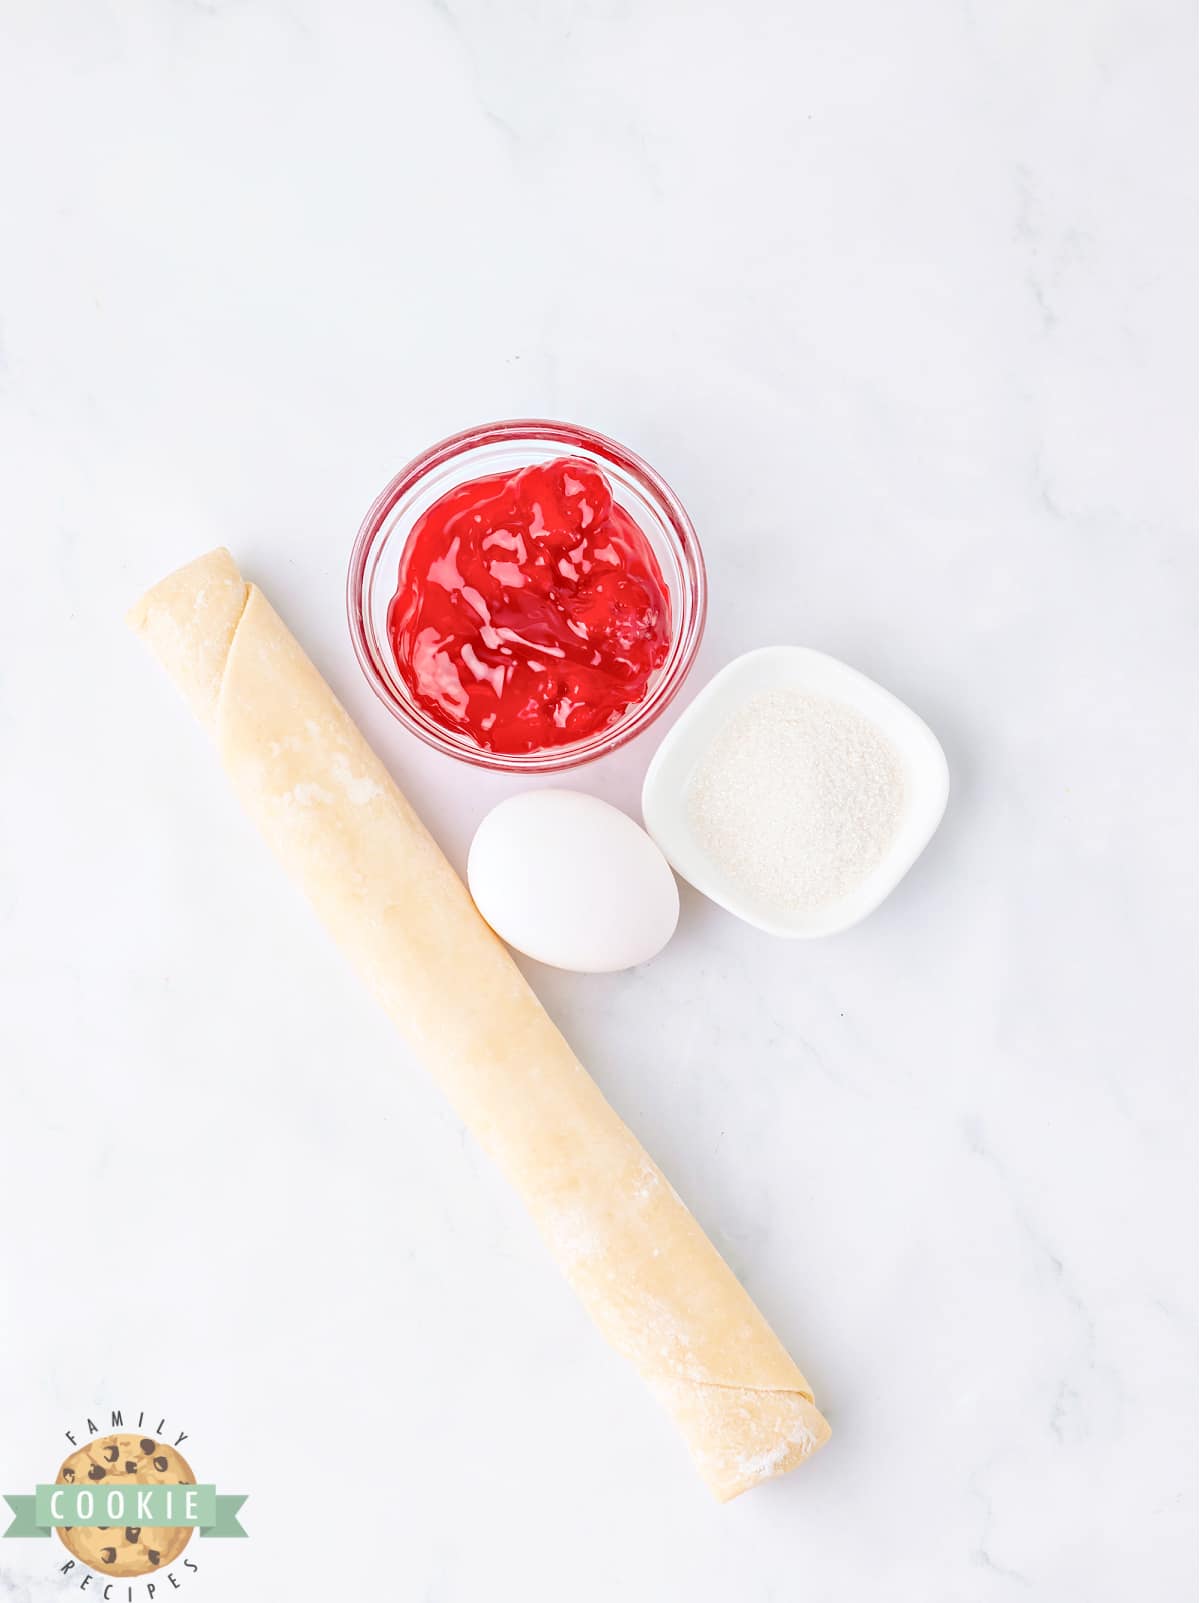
pixel 665 791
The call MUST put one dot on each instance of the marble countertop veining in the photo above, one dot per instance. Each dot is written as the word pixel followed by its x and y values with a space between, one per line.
pixel 900 299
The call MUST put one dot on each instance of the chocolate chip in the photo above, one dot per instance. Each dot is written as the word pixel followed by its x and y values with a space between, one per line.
pixel 108 1555
pixel 146 1445
pixel 104 1527
pixel 153 1556
pixel 130 1467
pixel 97 1472
pixel 133 1533
pixel 68 1474
pixel 160 1463
pixel 112 1453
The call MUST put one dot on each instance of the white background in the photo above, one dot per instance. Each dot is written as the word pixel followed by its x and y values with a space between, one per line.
pixel 899 299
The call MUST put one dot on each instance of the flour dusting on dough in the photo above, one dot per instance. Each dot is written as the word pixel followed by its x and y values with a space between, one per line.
pixel 307 794
pixel 648 1183
pixel 759 1465
pixel 358 788
pixel 572 1236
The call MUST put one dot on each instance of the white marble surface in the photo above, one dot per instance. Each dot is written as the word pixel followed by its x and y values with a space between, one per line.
pixel 899 298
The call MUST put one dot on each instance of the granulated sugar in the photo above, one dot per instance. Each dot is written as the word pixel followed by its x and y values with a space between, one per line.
pixel 797 799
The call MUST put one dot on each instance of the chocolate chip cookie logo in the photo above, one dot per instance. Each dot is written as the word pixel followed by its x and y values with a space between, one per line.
pixel 126 1505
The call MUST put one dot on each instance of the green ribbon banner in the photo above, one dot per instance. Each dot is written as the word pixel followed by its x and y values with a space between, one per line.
pixel 211 1512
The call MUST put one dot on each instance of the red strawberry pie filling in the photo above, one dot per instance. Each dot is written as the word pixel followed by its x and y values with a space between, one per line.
pixel 531 610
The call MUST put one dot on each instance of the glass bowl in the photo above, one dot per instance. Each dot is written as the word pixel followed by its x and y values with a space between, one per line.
pixel 494 448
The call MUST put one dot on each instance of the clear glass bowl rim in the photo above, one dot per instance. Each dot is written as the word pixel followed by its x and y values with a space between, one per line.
pixel 687 631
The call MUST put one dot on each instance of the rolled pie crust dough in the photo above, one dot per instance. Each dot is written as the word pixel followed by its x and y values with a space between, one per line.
pixel 640 1264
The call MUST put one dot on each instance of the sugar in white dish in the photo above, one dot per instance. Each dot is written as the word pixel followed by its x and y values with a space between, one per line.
pixel 797 799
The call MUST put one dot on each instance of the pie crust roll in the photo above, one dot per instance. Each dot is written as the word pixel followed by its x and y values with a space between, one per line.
pixel 644 1270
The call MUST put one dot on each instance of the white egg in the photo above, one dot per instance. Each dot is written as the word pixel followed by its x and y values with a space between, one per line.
pixel 573 882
